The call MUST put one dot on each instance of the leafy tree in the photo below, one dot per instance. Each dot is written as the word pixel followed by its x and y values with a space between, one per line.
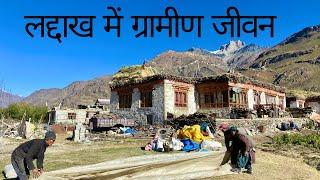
pixel 19 111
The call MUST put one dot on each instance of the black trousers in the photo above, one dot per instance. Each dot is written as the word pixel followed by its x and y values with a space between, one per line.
pixel 20 166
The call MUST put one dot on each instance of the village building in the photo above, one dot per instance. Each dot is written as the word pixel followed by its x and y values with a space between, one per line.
pixel 67 116
pixel 313 102
pixel 82 114
pixel 154 98
pixel 296 101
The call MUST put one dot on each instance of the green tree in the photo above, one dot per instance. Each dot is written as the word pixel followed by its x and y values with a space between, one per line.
pixel 17 111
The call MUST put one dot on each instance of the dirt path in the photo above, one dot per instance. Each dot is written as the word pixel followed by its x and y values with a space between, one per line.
pixel 268 166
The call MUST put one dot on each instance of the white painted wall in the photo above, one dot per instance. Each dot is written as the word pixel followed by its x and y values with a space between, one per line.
pixel 262 98
pixel 192 105
pixel 277 100
pixel 169 98
pixel 250 96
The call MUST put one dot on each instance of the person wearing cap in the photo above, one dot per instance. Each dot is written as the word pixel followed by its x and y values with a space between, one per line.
pixel 25 153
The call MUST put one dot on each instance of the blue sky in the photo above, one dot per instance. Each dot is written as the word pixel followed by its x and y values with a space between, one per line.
pixel 28 64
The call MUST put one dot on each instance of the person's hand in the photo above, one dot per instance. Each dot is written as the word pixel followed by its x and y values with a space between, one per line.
pixel 35 173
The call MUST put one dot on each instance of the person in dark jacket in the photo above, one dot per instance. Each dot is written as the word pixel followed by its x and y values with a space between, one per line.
pixel 228 136
pixel 25 153
pixel 244 152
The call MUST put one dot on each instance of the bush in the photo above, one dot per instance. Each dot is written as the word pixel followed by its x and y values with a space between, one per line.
pixel 17 111
pixel 311 140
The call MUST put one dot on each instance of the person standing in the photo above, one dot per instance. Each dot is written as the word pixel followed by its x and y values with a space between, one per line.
pixel 25 153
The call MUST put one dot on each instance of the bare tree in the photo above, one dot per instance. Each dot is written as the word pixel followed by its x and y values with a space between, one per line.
pixel 2 90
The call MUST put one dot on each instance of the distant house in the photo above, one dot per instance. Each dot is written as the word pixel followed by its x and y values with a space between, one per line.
pixel 296 101
pixel 67 116
pixel 313 102
pixel 80 115
pixel 102 102
pixel 152 98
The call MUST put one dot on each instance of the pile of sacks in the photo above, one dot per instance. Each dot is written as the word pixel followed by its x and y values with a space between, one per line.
pixel 189 138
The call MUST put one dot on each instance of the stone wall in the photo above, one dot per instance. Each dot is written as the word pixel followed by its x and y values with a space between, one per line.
pixel 61 116
pixel 136 112
pixel 114 101
pixel 220 112
pixel 314 105
pixel 158 102
pixel 269 123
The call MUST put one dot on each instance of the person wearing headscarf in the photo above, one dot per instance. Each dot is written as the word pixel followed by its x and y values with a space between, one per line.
pixel 242 151
pixel 228 135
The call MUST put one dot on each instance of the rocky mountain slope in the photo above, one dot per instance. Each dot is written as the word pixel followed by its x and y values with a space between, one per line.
pixel 79 92
pixel 191 64
pixel 7 99
pixel 294 63
pixel 236 54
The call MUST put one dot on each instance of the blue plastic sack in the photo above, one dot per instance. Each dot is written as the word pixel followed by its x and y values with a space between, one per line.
pixel 190 145
pixel 131 131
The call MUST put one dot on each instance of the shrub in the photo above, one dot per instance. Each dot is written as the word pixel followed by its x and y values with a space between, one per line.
pixel 17 111
pixel 311 140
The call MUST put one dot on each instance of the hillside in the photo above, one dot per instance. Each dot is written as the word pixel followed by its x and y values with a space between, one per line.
pixel 294 63
pixel 190 64
pixel 7 99
pixel 79 92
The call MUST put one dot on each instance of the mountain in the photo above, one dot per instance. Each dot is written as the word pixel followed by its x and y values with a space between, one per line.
pixel 244 57
pixel 192 64
pixel 229 48
pixel 6 99
pixel 293 63
pixel 235 53
pixel 79 92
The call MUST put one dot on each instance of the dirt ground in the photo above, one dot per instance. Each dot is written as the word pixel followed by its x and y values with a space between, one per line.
pixel 65 154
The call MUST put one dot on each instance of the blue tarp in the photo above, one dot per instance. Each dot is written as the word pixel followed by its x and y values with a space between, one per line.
pixel 190 145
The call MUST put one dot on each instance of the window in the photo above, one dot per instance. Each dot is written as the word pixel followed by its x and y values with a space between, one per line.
pixel 225 98
pixel 217 99
pixel 146 99
pixel 181 98
pixel 125 100
pixel 238 99
pixel 72 116
pixel 270 99
pixel 257 97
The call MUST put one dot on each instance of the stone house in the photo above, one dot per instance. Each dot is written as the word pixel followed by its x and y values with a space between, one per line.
pixel 67 116
pixel 313 102
pixel 296 101
pixel 155 97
